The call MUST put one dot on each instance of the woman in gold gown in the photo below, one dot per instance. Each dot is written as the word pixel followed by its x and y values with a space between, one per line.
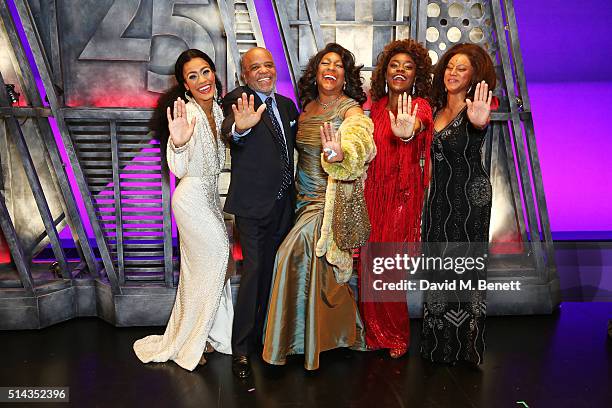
pixel 312 308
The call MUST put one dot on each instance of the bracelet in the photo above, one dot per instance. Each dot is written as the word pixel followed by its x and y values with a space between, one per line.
pixel 409 138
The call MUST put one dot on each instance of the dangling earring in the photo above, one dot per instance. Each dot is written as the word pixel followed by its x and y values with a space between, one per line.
pixel 386 87
pixel 186 95
pixel 469 89
pixel 413 88
pixel 344 86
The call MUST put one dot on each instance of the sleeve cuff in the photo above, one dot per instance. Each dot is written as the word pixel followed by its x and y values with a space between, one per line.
pixel 237 136
pixel 177 149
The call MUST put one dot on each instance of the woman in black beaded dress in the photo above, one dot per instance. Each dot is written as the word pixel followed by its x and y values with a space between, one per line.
pixel 456 219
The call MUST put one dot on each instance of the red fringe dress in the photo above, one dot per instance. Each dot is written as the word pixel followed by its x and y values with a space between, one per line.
pixel 394 196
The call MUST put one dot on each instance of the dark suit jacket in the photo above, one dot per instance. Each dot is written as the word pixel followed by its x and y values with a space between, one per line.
pixel 256 160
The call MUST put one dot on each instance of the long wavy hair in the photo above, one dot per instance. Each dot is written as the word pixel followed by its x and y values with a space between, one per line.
pixel 307 86
pixel 481 63
pixel 159 121
pixel 419 55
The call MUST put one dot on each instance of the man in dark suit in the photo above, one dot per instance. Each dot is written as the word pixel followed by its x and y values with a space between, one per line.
pixel 260 126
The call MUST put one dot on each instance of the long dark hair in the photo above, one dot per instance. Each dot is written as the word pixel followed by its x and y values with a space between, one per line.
pixel 159 121
pixel 421 58
pixel 481 63
pixel 307 86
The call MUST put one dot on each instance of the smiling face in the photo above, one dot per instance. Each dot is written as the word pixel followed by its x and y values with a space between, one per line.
pixel 199 79
pixel 258 70
pixel 401 73
pixel 330 74
pixel 458 74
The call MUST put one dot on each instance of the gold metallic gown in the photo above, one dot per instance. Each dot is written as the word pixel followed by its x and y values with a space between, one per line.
pixel 309 312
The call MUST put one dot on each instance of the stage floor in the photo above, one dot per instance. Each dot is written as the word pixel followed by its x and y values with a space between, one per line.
pixel 563 360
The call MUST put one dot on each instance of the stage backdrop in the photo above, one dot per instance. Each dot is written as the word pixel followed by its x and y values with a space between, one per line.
pixel 567 49
pixel 567 65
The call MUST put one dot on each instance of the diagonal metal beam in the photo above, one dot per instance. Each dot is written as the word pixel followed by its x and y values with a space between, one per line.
pixel 421 23
pixel 27 20
pixel 290 49
pixel 117 194
pixel 500 30
pixel 231 35
pixel 10 235
pixel 399 17
pixel 35 184
pixel 512 176
pixel 255 23
pixel 32 95
pixel 167 217
pixel 534 160
pixel 55 47
pixel 315 23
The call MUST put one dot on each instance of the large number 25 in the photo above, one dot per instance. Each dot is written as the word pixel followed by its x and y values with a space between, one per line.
pixel 108 42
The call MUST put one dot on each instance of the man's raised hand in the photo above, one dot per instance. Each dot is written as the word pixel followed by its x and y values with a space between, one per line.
pixel 245 115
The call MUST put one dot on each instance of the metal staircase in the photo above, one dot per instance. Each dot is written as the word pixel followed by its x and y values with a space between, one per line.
pixel 244 32
pixel 246 26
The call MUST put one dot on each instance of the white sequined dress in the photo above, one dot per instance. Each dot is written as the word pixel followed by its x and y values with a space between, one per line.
pixel 203 307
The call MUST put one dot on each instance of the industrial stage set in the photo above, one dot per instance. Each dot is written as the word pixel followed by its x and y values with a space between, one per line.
pixel 85 204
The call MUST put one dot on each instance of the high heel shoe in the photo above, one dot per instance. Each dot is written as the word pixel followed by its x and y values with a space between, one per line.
pixel 209 348
pixel 397 352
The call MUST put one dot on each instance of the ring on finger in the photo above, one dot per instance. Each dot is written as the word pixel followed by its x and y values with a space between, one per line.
pixel 330 153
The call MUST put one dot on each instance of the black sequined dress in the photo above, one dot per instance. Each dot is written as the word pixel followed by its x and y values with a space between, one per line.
pixel 456 219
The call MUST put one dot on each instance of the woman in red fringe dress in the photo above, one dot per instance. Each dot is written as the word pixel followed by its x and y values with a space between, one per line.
pixel 398 175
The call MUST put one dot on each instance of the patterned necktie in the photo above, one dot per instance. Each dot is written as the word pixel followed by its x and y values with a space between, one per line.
pixel 280 140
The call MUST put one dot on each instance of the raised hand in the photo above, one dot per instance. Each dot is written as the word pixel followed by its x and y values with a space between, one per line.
pixel 330 141
pixel 180 130
pixel 403 125
pixel 479 111
pixel 245 115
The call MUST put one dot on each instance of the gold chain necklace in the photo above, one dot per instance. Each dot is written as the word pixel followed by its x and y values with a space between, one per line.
pixel 328 104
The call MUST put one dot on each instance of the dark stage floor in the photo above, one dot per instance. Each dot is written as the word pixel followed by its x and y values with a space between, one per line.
pixel 562 360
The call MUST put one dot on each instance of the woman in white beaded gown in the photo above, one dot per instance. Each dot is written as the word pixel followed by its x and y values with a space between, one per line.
pixel 201 319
